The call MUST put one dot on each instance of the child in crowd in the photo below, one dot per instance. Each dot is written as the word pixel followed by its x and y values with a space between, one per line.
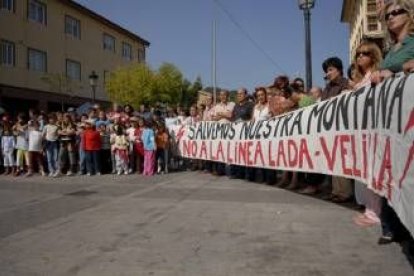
pixel 162 141
pixel 148 139
pixel 120 148
pixel 67 152
pixel 7 145
pixel 115 123
pixel 130 132
pixel 105 152
pixel 35 149
pixel 20 131
pixel 102 120
pixel 92 146
pixel 50 134
pixel 80 143
pixel 139 146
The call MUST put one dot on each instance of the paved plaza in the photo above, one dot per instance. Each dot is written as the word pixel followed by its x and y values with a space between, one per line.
pixel 186 223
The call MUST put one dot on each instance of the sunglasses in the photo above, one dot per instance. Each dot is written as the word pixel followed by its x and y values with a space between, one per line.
pixel 394 13
pixel 363 53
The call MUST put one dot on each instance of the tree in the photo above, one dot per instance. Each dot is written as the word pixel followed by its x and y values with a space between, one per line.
pixel 168 85
pixel 139 84
pixel 131 85
pixel 190 92
pixel 233 95
pixel 185 88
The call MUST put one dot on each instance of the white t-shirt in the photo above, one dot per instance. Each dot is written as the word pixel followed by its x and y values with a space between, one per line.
pixel 131 134
pixel 35 140
pixel 261 112
pixel 51 132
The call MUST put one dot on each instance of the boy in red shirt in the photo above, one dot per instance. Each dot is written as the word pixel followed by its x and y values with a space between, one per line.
pixel 92 145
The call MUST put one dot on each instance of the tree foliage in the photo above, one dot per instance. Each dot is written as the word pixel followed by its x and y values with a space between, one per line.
pixel 131 85
pixel 168 84
pixel 190 92
pixel 139 84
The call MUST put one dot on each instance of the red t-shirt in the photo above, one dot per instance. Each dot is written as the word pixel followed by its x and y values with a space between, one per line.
pixel 92 139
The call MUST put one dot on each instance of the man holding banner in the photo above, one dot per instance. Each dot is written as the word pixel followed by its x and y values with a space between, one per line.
pixel 242 112
pixel 223 113
pixel 333 68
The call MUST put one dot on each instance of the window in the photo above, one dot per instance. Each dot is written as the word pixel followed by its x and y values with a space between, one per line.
pixel 73 70
pixel 141 55
pixel 126 51
pixel 7 5
pixel 37 11
pixel 108 42
pixel 372 23
pixel 371 6
pixel 8 55
pixel 72 26
pixel 37 60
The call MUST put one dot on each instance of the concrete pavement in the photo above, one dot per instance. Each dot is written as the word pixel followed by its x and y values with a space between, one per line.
pixel 185 223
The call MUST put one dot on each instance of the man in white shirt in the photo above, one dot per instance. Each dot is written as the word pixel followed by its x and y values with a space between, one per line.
pixel 223 113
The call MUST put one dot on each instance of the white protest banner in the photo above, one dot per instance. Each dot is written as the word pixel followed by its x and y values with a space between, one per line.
pixel 365 135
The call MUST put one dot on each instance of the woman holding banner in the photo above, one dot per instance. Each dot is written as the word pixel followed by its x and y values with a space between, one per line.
pixel 367 60
pixel 260 112
pixel 399 20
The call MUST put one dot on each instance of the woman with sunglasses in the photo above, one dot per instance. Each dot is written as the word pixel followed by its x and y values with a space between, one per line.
pixel 367 59
pixel 399 22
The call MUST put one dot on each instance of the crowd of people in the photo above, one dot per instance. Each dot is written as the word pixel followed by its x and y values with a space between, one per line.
pixel 124 141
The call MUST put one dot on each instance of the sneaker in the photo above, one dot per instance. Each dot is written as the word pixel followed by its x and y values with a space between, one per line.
pixel 42 173
pixel 69 173
pixel 51 174
pixel 126 172
pixel 113 172
pixel 57 174
pixel 28 174
pixel 88 174
pixel 385 239
pixel 119 173
pixel 98 173
pixel 364 221
pixel 81 173
pixel 130 171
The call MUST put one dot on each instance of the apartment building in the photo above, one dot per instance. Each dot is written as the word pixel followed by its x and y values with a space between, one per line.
pixel 49 50
pixel 361 15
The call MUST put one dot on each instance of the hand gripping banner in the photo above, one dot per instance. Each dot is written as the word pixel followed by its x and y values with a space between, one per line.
pixel 366 135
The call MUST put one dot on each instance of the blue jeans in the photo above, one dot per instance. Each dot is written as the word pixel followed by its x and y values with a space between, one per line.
pixel 92 161
pixel 52 153
pixel 82 161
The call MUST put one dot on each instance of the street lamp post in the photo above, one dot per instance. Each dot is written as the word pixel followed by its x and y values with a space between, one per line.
pixel 306 6
pixel 93 78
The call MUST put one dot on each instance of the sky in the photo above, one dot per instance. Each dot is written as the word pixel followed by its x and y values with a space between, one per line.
pixel 261 40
